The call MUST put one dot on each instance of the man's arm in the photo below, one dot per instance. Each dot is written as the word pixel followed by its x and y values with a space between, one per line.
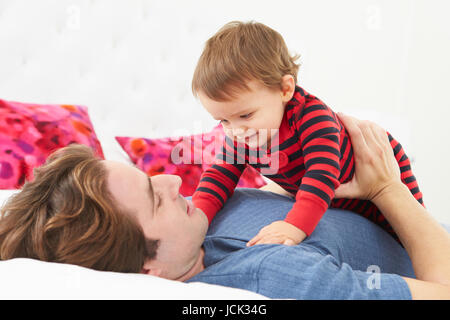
pixel 427 242
pixel 377 178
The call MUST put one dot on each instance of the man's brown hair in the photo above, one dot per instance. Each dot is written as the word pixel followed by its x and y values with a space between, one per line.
pixel 67 215
pixel 240 52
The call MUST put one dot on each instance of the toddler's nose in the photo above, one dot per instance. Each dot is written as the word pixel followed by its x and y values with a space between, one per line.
pixel 239 133
pixel 244 134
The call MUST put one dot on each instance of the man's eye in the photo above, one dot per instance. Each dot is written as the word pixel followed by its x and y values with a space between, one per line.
pixel 246 116
pixel 158 200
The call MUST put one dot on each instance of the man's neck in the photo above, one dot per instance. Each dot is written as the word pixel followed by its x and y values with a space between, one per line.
pixel 196 268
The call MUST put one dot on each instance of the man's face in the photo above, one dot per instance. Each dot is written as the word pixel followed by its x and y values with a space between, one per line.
pixel 253 117
pixel 163 214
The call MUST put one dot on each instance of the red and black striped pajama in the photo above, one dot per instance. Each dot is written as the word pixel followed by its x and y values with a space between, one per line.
pixel 313 156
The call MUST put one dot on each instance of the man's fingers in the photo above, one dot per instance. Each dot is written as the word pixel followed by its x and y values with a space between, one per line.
pixel 386 148
pixel 345 190
pixel 382 136
pixel 356 136
pixel 370 138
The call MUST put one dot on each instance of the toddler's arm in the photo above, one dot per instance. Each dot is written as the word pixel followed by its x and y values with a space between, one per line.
pixel 319 133
pixel 217 183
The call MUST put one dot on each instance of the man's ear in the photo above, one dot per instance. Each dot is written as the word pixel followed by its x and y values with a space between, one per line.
pixel 287 87
pixel 150 268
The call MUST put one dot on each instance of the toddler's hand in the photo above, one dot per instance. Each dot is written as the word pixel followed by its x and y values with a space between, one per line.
pixel 278 232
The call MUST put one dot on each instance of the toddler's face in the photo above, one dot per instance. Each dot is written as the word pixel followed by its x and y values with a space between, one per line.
pixel 252 118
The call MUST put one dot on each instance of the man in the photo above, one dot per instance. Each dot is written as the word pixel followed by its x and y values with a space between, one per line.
pixel 125 221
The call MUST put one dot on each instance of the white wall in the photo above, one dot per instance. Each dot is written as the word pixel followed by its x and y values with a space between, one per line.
pixel 131 63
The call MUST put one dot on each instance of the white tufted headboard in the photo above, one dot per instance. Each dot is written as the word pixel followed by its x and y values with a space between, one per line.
pixel 131 63
pixel 122 59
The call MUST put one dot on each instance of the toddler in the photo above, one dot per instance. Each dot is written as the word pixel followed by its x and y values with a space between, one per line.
pixel 247 80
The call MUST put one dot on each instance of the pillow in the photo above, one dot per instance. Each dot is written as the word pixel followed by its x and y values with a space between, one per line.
pixel 29 133
pixel 24 278
pixel 186 157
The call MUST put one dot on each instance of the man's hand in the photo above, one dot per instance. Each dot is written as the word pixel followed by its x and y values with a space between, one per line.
pixel 278 232
pixel 376 169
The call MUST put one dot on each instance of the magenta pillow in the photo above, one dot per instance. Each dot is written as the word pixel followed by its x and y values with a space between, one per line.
pixel 165 155
pixel 29 133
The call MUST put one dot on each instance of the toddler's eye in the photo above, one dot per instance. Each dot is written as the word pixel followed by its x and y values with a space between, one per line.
pixel 245 116
pixel 223 121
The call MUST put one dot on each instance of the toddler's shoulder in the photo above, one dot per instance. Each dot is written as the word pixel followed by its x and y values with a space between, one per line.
pixel 305 106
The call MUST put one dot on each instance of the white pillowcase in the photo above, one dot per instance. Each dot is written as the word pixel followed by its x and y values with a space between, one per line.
pixel 23 278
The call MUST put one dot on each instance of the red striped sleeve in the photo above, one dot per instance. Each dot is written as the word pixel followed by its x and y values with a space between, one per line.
pixel 217 183
pixel 319 137
pixel 405 169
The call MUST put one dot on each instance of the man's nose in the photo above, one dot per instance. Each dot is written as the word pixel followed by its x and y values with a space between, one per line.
pixel 173 185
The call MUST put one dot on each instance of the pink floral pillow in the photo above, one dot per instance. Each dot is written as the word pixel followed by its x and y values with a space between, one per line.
pixel 186 157
pixel 29 133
